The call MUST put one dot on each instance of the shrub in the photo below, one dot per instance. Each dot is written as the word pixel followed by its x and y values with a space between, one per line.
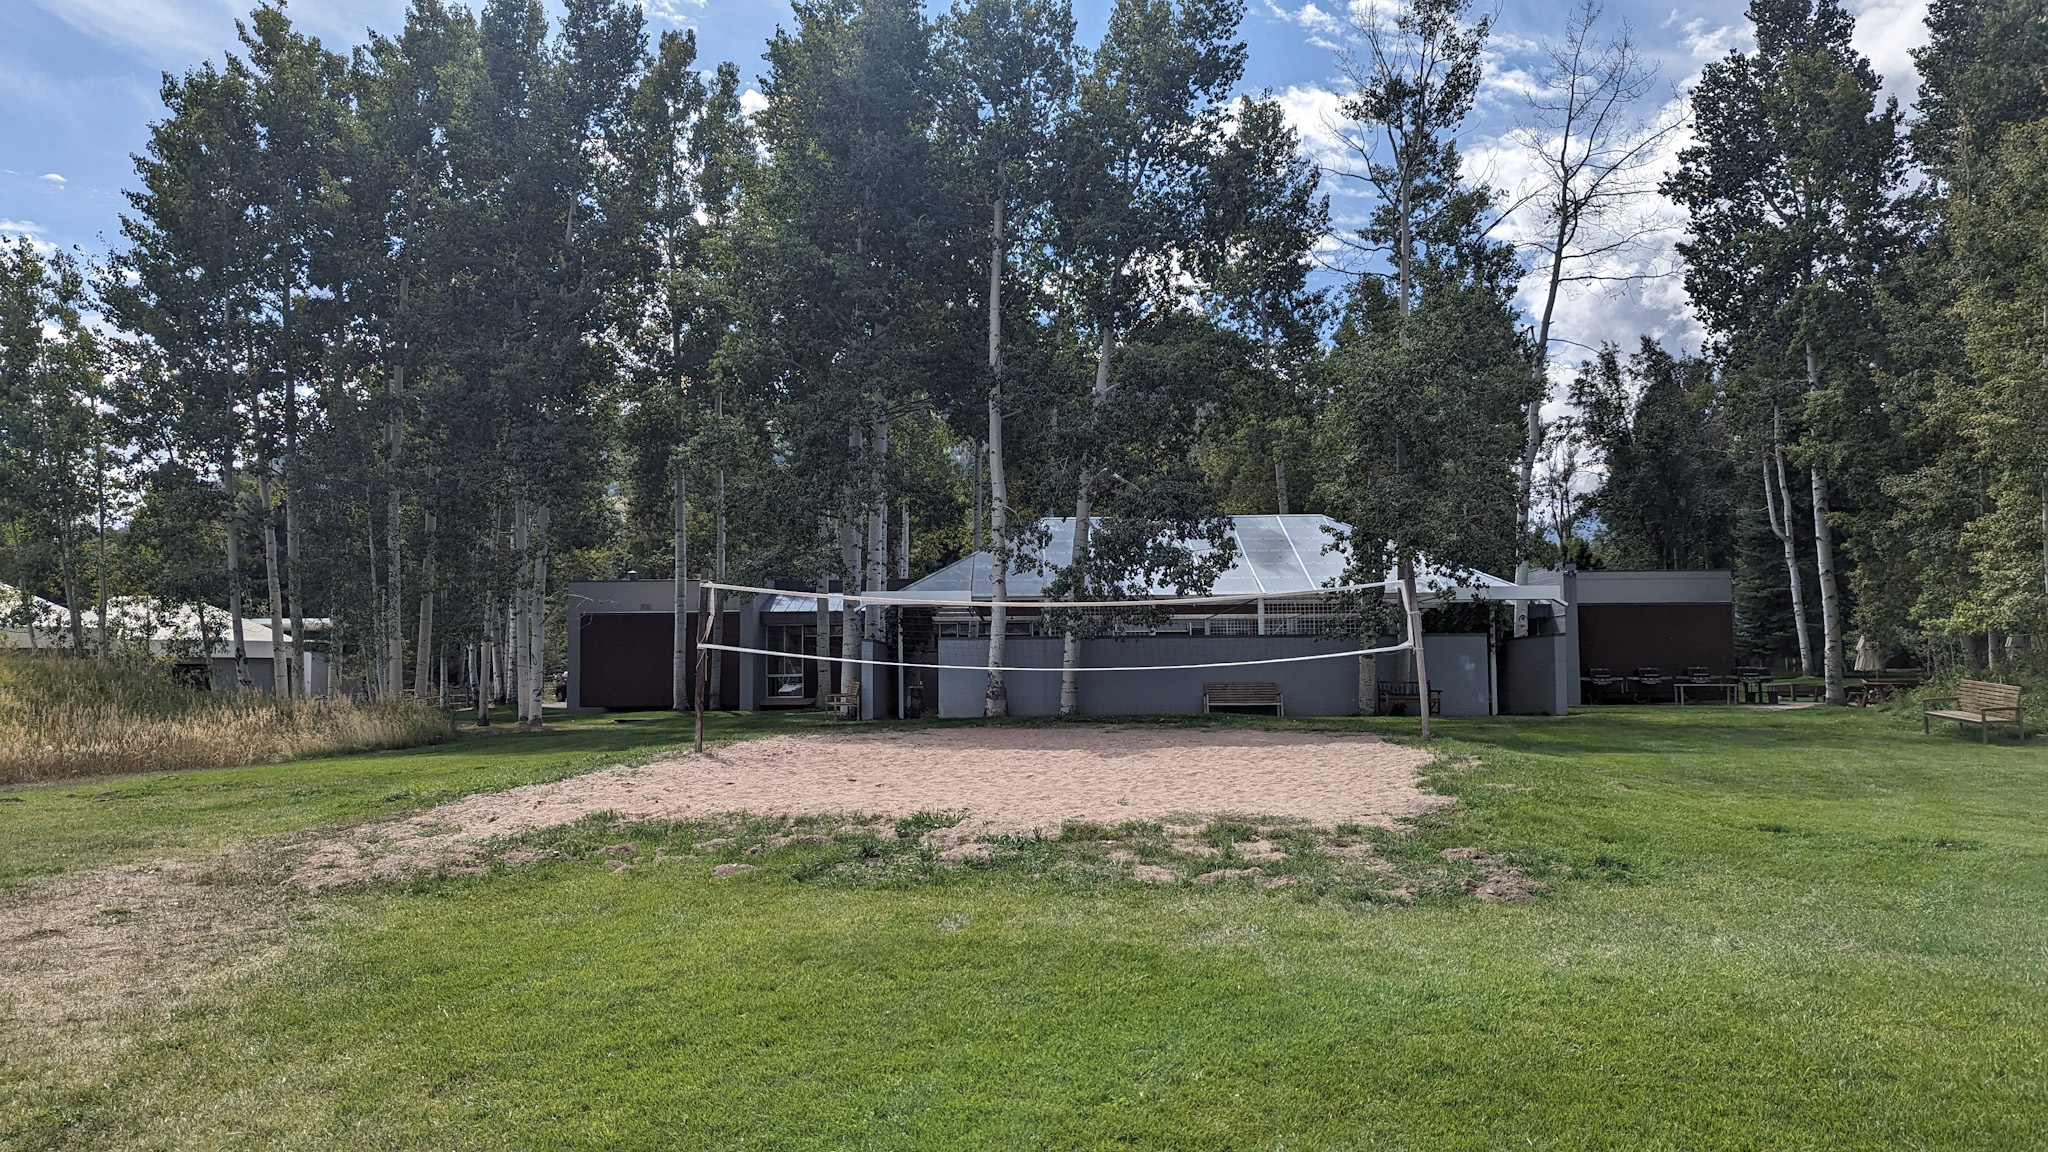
pixel 62 718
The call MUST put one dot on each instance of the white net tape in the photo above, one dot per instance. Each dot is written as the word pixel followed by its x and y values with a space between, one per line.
pixel 1281 615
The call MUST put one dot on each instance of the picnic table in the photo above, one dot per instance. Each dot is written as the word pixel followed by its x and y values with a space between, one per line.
pixel 1879 689
pixel 1728 691
pixel 1780 691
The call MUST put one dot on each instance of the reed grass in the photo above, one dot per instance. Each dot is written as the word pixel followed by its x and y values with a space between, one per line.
pixel 64 718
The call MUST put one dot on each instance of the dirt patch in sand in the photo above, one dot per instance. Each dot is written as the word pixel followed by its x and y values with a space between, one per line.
pixel 1006 780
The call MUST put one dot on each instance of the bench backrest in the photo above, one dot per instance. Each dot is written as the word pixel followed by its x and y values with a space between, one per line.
pixel 1252 692
pixel 1980 696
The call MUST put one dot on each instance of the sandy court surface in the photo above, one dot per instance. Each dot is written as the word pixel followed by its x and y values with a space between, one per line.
pixel 1005 779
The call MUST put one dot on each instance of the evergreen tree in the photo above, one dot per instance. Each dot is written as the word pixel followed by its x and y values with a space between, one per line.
pixel 1665 496
pixel 1789 195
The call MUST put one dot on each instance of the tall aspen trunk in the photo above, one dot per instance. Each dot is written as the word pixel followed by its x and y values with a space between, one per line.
pixel 1532 416
pixel 480 670
pixel 373 659
pixel 537 617
pixel 1070 641
pixel 1084 514
pixel 1787 533
pixel 996 699
pixel 1411 602
pixel 508 661
pixel 295 590
pixel 849 616
pixel 875 617
pixel 67 573
pixel 1824 563
pixel 679 668
pixel 394 517
pixel 281 670
pixel 1830 600
pixel 295 593
pixel 1279 481
pixel 234 535
pixel 394 618
pixel 823 642
pixel 100 508
pixel 714 691
pixel 424 642
pixel 516 624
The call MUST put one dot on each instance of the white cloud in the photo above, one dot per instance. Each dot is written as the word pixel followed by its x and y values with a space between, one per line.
pixel 1703 43
pixel 751 102
pixel 1887 31
pixel 679 12
pixel 153 28
pixel 29 230
pixel 53 178
pixel 1312 111
pixel 1308 16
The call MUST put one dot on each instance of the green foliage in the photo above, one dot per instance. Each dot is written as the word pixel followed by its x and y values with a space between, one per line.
pixel 1664 498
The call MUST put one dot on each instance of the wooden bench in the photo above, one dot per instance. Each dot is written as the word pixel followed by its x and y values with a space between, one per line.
pixel 1980 703
pixel 1394 692
pixel 847 704
pixel 1256 694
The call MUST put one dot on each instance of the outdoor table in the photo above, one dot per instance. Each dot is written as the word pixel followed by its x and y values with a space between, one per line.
pixel 1878 689
pixel 1793 691
pixel 1726 689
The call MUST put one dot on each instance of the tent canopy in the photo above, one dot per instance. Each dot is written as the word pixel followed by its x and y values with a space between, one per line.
pixel 1276 556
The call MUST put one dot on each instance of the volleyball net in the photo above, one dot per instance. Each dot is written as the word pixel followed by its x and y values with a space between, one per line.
pixel 909 630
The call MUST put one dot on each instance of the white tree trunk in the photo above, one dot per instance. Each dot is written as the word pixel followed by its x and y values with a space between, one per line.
pixel 1824 563
pixel 516 625
pixel 234 535
pixel 537 617
pixel 1830 600
pixel 996 698
pixel 849 616
pixel 282 673
pixel 1788 536
pixel 394 513
pixel 424 641
pixel 679 669
pixel 1084 513
pixel 298 598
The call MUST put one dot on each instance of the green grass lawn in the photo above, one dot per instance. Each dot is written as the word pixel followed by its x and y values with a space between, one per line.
pixel 1812 929
pixel 88 823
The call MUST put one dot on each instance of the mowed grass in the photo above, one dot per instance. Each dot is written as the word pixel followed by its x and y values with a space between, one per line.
pixel 1811 929
pixel 67 825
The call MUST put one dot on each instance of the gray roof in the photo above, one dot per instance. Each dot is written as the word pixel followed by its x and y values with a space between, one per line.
pixel 1276 556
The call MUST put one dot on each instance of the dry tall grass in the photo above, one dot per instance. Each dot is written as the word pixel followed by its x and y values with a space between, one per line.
pixel 62 718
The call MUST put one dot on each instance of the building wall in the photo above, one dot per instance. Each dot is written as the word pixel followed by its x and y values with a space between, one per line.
pixel 1459 667
pixel 1714 586
pixel 1532 676
pixel 1670 637
pixel 1310 687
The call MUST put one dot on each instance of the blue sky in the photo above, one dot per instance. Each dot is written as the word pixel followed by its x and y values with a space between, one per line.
pixel 79 82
